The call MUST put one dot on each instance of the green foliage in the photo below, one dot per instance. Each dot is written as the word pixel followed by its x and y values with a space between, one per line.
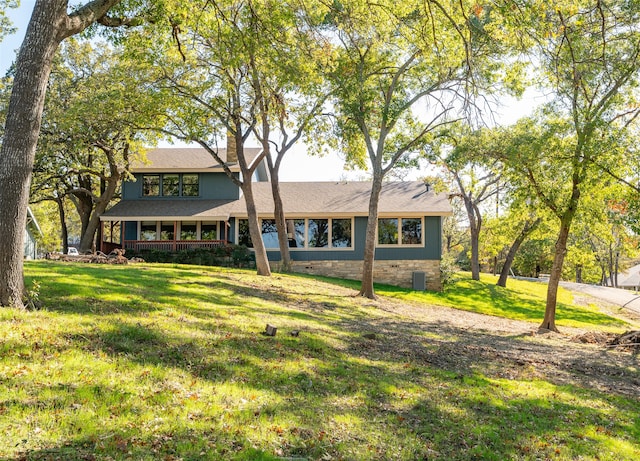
pixel 448 269
pixel 226 256
pixel 32 296
pixel 6 27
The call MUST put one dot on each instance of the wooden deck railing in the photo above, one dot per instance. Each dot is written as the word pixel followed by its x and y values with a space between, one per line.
pixel 172 245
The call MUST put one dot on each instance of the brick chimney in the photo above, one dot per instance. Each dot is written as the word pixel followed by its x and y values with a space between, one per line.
pixel 232 151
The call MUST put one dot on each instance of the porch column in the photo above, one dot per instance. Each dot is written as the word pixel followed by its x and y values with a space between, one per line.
pixel 175 234
pixel 101 236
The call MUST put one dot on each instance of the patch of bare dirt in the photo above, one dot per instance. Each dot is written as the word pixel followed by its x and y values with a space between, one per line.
pixel 465 342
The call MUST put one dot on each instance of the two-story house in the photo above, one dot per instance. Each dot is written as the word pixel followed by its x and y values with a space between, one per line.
pixel 181 198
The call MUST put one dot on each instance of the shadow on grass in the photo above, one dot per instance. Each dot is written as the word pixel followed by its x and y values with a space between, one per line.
pixel 347 409
pixel 330 392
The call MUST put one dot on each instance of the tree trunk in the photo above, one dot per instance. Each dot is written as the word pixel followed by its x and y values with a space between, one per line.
pixel 262 262
pixel 549 321
pixel 603 275
pixel 48 26
pixel 20 138
pixel 611 282
pixel 371 238
pixel 281 223
pixel 64 233
pixel 474 230
pixel 528 228
pixel 475 224
pixel 579 273
pixel 278 212
pixel 87 239
pixel 84 206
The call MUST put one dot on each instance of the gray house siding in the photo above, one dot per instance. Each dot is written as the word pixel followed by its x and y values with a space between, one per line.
pixel 212 186
pixel 30 245
pixel 431 249
pixel 131 230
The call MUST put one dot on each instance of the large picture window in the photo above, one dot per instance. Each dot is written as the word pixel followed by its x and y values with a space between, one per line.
pixel 244 237
pixel 303 234
pixel 400 231
pixel 269 233
pixel 173 185
pixel 341 233
pixel 411 231
pixel 318 233
pixel 387 231
pixel 295 232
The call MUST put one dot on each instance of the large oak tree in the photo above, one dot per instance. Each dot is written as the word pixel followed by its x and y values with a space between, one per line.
pixel 51 22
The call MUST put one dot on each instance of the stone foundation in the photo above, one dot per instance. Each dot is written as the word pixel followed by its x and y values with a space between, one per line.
pixel 394 272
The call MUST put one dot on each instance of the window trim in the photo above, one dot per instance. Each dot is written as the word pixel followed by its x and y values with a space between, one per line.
pixel 400 244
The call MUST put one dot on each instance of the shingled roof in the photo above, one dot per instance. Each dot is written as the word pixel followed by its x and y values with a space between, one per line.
pixel 187 159
pixel 300 199
pixel 171 210
pixel 349 199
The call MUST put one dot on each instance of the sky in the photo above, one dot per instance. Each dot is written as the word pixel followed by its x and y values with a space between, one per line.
pixel 297 165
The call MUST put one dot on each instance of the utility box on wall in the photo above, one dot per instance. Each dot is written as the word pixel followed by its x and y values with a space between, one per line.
pixel 419 281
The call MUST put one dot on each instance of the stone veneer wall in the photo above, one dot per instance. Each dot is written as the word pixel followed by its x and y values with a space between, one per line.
pixel 391 272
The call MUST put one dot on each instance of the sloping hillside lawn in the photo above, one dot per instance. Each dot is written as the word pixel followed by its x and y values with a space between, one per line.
pixel 162 362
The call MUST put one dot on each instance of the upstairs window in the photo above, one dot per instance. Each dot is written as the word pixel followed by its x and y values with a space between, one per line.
pixel 190 186
pixel 151 185
pixel 173 185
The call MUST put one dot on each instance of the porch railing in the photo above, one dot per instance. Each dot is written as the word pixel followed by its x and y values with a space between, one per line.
pixel 172 245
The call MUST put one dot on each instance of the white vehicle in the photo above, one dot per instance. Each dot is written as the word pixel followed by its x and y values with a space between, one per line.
pixel 73 251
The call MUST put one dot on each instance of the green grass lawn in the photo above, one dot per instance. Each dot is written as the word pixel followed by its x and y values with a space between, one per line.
pixel 520 300
pixel 168 362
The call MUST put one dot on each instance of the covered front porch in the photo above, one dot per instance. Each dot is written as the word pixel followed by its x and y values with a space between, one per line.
pixel 166 225
pixel 162 235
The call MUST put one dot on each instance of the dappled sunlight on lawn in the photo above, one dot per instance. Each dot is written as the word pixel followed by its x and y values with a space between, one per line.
pixel 162 362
